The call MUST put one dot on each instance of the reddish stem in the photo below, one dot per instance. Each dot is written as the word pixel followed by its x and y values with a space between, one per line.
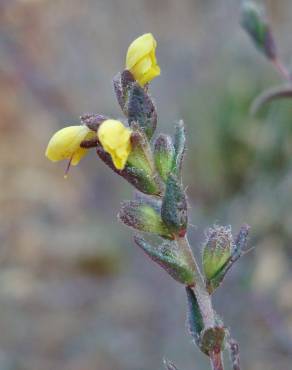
pixel 282 69
pixel 216 360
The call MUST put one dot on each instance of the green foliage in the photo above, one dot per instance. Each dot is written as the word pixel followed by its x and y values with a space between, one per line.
pixel 174 210
pixel 143 217
pixel 255 24
pixel 141 110
pixel 164 154
pixel 122 83
pixel 194 316
pixel 217 250
pixel 179 147
pixel 221 252
pixel 170 257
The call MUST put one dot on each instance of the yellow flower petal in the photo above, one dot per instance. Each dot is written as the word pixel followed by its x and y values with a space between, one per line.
pixel 65 144
pixel 141 59
pixel 115 140
pixel 151 73
pixel 140 47
pixel 78 155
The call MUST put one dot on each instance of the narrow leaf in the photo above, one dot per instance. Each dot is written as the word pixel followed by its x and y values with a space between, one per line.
pixel 122 83
pixel 254 21
pixel 141 110
pixel 194 317
pixel 163 155
pixel 179 147
pixel 167 256
pixel 174 207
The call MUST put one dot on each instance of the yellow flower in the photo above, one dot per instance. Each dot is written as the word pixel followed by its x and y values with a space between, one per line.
pixel 141 59
pixel 65 144
pixel 115 140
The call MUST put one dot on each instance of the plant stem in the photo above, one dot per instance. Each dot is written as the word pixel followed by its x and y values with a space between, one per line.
pixel 204 301
pixel 216 361
pixel 283 71
pixel 203 297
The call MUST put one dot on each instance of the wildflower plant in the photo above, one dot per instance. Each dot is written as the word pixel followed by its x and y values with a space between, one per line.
pixel 256 24
pixel 153 163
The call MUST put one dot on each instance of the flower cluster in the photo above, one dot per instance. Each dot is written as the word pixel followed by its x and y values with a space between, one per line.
pixel 152 164
pixel 112 135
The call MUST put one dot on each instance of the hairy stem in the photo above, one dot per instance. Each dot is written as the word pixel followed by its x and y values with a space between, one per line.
pixel 283 71
pixel 203 297
pixel 216 361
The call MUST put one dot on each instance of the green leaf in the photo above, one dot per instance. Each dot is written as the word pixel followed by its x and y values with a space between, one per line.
pixel 179 147
pixel 194 317
pixel 168 256
pixel 141 155
pixel 163 155
pixel 122 83
pixel 141 110
pixel 254 22
pixel 140 169
pixel 174 207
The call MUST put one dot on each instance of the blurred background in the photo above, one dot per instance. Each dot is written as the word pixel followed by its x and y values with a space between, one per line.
pixel 75 293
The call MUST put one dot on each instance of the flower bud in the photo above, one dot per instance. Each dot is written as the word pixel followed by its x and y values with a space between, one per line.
pixel 143 217
pixel 65 144
pixel 163 155
pixel 115 139
pixel 139 169
pixel 217 250
pixel 141 59
pixel 254 22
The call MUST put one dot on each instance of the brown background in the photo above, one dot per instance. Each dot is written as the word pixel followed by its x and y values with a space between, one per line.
pixel 75 294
